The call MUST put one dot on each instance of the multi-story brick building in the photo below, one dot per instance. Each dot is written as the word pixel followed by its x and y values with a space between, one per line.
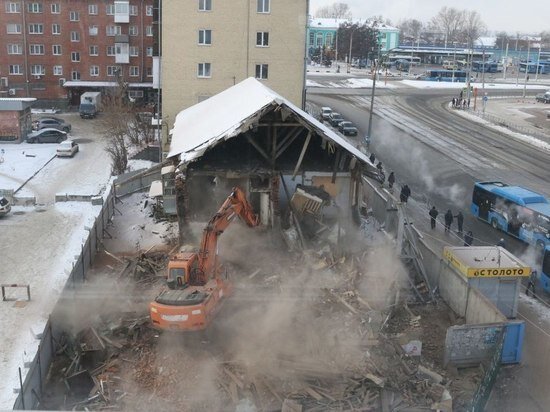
pixel 54 50
pixel 210 45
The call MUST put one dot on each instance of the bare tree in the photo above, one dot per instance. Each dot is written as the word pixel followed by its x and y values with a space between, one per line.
pixel 334 11
pixel 473 27
pixel 114 127
pixel 450 21
pixel 411 29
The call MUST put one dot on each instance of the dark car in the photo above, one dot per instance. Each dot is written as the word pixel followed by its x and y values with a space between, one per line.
pixel 52 123
pixel 47 135
pixel 543 97
pixel 347 128
pixel 335 119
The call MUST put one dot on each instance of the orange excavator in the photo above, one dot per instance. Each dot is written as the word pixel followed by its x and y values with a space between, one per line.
pixel 196 281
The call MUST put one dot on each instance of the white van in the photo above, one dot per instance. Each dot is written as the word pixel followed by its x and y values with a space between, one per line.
pixel 325 112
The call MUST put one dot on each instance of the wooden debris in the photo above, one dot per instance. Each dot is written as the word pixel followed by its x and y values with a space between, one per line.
pixel 291 405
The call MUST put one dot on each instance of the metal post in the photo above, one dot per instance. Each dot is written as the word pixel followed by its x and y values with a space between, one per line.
pixel 350 44
pixel 372 102
pixel 21 386
pixel 538 62
pixel 483 72
pixel 506 61
pixel 526 69
pixel 519 65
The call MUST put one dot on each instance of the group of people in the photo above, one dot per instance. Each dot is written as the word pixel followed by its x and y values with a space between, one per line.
pixel 405 190
pixel 460 103
pixel 448 218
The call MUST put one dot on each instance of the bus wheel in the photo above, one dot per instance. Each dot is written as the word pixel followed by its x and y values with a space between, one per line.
pixel 494 223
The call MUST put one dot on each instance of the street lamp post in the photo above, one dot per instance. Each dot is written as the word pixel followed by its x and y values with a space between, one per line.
pixel 538 63
pixel 526 68
pixel 505 62
pixel 350 45
pixel 519 65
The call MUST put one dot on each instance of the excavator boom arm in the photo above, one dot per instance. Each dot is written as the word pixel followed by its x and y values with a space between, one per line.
pixel 235 205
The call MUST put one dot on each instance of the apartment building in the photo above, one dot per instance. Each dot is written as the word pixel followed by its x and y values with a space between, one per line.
pixel 54 50
pixel 210 45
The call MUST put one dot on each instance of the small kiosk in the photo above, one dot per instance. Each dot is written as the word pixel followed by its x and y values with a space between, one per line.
pixel 492 270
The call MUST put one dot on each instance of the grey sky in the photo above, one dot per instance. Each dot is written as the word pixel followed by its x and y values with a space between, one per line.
pixel 528 17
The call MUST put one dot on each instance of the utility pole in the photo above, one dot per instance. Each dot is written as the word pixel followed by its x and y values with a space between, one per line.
pixel 538 63
pixel 505 62
pixel 350 44
pixel 526 68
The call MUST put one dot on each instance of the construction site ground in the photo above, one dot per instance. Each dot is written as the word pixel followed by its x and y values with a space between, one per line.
pixel 309 331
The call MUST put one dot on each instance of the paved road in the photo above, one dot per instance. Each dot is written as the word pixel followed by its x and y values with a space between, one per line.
pixel 441 155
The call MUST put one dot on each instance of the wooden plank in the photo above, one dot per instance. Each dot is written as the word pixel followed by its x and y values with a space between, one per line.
pixel 234 378
pixel 343 302
pixel 302 154
pixel 314 394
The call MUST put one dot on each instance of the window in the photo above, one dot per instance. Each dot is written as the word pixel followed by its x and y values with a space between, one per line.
pixel 111 50
pixel 261 71
pixel 205 5
pixel 56 50
pixel 113 70
pixel 74 16
pixel 262 39
pixel 134 51
pixel 133 10
pixel 263 6
pixel 328 41
pixel 93 9
pixel 133 30
pixel 15 49
pixel 56 28
pixel 75 75
pixel 135 94
pixel 149 71
pixel 38 70
pixel 13 7
pixel 94 51
pixel 36 28
pixel 149 31
pixel 15 69
pixel 94 71
pixel 114 30
pixel 110 10
pixel 149 51
pixel 205 37
pixel 34 7
pixel 13 28
pixel 92 30
pixel 58 70
pixel 55 8
pixel 75 56
pixel 204 70
pixel 149 10
pixel 75 36
pixel 311 38
pixel 36 49
pixel 134 71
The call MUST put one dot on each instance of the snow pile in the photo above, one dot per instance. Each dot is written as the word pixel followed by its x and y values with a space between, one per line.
pixel 541 309
pixel 426 84
pixel 358 83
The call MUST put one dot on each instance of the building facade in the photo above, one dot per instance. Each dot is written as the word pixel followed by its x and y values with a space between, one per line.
pixel 210 45
pixel 54 50
pixel 322 32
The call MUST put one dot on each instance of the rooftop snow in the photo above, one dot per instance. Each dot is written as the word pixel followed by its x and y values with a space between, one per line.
pixel 232 112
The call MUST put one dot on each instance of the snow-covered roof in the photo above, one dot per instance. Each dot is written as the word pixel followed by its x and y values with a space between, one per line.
pixel 331 23
pixel 88 83
pixel 232 112
pixel 485 41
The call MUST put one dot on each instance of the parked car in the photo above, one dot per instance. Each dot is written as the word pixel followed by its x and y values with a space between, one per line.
pixel 347 128
pixel 52 123
pixel 67 148
pixel 5 206
pixel 47 136
pixel 325 112
pixel 335 119
pixel 543 97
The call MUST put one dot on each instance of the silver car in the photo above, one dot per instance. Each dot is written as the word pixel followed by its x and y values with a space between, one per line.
pixel 52 123
pixel 47 136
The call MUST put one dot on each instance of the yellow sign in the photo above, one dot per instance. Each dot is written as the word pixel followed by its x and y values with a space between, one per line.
pixel 489 272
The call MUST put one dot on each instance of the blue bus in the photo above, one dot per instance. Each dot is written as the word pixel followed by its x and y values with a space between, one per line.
pixel 445 75
pixel 544 277
pixel 515 210
pixel 531 67
pixel 490 67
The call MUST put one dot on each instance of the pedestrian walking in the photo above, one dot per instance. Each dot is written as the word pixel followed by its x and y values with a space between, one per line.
pixel 460 222
pixel 531 284
pixel 501 243
pixel 448 220
pixel 391 180
pixel 372 158
pixel 405 193
pixel 454 102
pixel 468 238
pixel 461 94
pixel 433 215
pixel 468 103
pixel 379 166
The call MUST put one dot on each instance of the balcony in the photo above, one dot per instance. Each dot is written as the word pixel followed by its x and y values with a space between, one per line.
pixel 122 38
pixel 122 53
pixel 122 11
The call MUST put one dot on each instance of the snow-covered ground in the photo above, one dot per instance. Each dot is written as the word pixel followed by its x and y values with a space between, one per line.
pixel 424 84
pixel 38 245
